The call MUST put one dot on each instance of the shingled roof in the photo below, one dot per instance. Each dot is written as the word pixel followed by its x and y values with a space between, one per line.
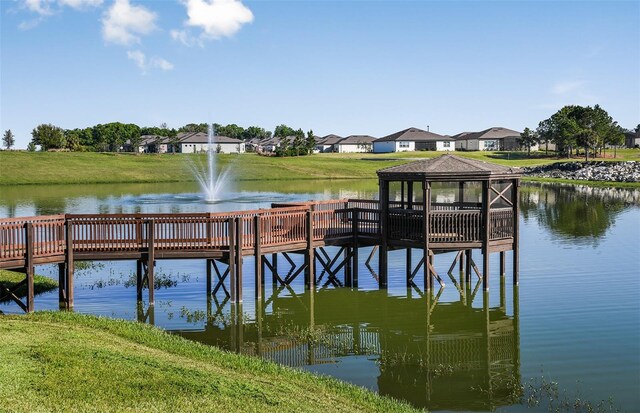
pixel 414 134
pixel 448 166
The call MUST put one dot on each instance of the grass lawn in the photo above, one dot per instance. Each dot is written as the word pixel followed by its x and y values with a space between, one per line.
pixel 17 168
pixel 41 284
pixel 56 361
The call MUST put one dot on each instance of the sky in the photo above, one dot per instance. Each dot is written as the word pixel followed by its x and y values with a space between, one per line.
pixel 347 67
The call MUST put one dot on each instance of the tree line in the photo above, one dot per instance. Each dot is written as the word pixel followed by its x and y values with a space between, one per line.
pixel 117 137
pixel 575 127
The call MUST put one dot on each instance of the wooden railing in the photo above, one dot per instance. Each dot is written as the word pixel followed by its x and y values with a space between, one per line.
pixel 285 224
pixel 46 234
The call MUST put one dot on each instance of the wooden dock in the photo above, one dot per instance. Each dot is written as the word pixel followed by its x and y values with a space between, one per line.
pixel 224 239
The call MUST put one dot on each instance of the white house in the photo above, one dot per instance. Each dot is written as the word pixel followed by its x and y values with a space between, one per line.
pixel 194 142
pixel 354 144
pixel 413 139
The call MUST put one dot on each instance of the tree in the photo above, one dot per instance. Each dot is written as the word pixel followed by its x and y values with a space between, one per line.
pixel 195 127
pixel 527 139
pixel 230 131
pixel 255 132
pixel 311 142
pixel 8 139
pixel 31 147
pixel 282 131
pixel 48 137
pixel 587 127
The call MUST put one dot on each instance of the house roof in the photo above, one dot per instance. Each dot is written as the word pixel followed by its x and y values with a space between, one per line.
pixel 330 139
pixel 356 139
pixel 199 137
pixel 413 134
pixel 448 166
pixel 491 133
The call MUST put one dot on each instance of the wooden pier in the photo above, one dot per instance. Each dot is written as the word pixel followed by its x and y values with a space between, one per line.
pixel 397 221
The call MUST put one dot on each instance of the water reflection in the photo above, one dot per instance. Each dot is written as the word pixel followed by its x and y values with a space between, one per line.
pixel 454 356
pixel 576 212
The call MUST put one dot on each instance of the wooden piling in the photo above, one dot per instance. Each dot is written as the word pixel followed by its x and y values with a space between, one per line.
pixel 309 257
pixel 69 266
pixel 231 231
pixel 486 226
pixel 257 253
pixel 239 259
pixel 30 243
pixel 151 263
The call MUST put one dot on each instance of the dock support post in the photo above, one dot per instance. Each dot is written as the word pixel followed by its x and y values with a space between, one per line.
pixel 62 293
pixel 239 242
pixel 274 273
pixel 232 258
pixel 69 267
pixel 257 253
pixel 348 280
pixel 516 231
pixel 409 268
pixel 139 280
pixel 426 205
pixel 502 264
pixel 309 256
pixel 208 264
pixel 382 264
pixel 486 223
pixel 354 254
pixel 29 240
pixel 469 255
pixel 151 264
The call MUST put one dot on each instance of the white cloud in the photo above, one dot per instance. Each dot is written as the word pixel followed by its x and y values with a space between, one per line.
pixel 80 4
pixel 42 7
pixel 45 8
pixel 185 38
pixel 49 7
pixel 216 18
pixel 145 64
pixel 123 23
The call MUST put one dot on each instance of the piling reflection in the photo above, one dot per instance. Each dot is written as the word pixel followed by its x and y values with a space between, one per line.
pixel 462 355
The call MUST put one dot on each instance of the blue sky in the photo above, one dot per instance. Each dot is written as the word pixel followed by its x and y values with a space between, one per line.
pixel 360 67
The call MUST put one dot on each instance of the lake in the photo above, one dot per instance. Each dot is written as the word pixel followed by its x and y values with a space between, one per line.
pixel 571 327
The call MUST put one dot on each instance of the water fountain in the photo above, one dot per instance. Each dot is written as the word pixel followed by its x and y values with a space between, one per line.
pixel 212 183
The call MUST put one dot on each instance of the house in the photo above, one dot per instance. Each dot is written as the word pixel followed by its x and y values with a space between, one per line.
pixel 492 139
pixel 150 144
pixel 193 142
pixel 326 143
pixel 632 139
pixel 354 143
pixel 413 139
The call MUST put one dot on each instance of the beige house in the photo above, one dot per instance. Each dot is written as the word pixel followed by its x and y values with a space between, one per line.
pixel 195 142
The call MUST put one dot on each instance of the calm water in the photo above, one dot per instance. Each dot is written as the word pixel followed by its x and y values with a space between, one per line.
pixel 574 320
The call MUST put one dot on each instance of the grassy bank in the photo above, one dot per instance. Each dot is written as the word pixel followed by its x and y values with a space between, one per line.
pixel 41 284
pixel 67 362
pixel 19 168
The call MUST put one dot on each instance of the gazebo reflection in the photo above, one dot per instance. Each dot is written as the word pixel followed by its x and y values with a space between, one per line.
pixel 462 355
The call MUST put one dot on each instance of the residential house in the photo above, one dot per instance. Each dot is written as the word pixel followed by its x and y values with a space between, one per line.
pixel 492 139
pixel 194 142
pixel 413 139
pixel 327 143
pixel 354 143
pixel 632 139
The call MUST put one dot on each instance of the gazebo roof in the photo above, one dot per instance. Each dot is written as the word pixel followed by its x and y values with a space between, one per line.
pixel 448 167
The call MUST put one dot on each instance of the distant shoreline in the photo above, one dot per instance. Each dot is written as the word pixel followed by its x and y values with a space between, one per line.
pixel 50 168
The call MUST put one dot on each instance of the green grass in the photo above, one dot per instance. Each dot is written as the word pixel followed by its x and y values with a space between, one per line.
pixel 56 361
pixel 41 284
pixel 19 168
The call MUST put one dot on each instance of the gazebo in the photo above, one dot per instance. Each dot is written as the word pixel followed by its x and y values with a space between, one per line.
pixel 468 204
